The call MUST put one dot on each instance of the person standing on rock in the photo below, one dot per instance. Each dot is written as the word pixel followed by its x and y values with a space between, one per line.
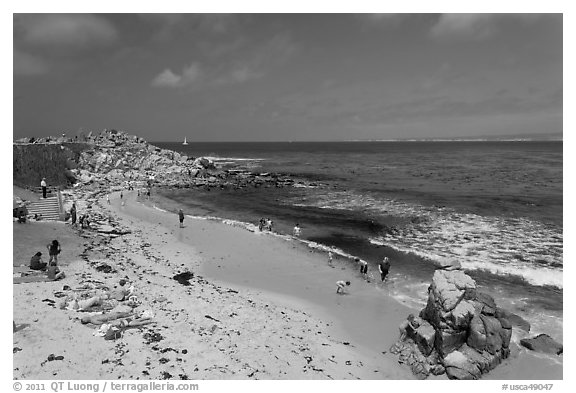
pixel 43 185
pixel 181 218
pixel 384 267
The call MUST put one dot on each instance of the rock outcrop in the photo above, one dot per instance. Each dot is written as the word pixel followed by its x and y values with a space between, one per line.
pixel 115 158
pixel 543 343
pixel 461 331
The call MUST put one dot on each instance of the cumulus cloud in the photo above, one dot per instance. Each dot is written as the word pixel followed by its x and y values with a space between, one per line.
pixel 63 29
pixel 190 75
pixel 27 64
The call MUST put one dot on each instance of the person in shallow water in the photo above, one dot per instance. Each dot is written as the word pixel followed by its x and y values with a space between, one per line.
pixel 181 218
pixel 297 230
pixel 384 267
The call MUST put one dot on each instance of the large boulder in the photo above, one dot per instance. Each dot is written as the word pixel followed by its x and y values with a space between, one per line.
pixel 460 366
pixel 460 331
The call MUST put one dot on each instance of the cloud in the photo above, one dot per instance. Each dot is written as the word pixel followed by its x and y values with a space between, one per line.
pixel 66 30
pixel 27 64
pixel 236 65
pixel 464 26
pixel 190 75
pixel 478 27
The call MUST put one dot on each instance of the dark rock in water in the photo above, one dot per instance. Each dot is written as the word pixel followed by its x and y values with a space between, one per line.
pixel 543 343
pixel 184 278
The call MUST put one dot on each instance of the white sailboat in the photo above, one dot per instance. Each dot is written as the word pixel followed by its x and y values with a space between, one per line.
pixel 185 143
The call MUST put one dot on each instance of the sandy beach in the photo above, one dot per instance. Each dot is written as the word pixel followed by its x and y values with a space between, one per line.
pixel 208 330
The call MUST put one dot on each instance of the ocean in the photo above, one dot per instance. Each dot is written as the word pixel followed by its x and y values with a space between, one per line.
pixel 495 207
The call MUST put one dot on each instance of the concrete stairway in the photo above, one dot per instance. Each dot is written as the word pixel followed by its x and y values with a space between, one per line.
pixel 49 208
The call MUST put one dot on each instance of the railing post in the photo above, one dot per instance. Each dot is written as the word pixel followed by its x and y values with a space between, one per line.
pixel 61 211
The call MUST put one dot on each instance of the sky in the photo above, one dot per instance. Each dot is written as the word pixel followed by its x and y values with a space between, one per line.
pixel 288 77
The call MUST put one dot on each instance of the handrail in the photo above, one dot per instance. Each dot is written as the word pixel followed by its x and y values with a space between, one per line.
pixel 61 211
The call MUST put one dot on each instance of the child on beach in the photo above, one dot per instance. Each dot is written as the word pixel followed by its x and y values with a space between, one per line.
pixel 53 250
pixel 54 273
pixel 181 218
pixel 384 267
pixel 341 285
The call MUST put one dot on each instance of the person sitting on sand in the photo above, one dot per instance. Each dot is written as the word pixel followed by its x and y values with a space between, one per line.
pixel 36 262
pixel 181 218
pixel 384 267
pixel 54 273
pixel 296 231
pixel 53 250
pixel 341 285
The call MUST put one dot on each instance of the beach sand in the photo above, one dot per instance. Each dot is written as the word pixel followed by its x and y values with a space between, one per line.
pixel 258 307
pixel 207 330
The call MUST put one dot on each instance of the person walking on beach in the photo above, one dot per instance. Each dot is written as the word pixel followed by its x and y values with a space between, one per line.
pixel 330 258
pixel 384 267
pixel 122 197
pixel 341 285
pixel 261 224
pixel 269 224
pixel 53 250
pixel 296 231
pixel 73 213
pixel 43 185
pixel 108 198
pixel 181 218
